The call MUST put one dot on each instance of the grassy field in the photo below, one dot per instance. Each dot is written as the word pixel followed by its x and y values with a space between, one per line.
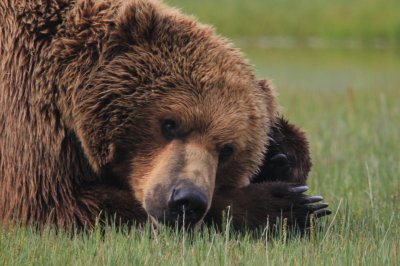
pixel 348 101
pixel 371 22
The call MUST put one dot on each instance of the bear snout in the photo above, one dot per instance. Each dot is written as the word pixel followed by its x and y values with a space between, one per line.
pixel 186 205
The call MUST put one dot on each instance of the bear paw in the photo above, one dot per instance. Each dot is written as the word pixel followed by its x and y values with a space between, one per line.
pixel 299 209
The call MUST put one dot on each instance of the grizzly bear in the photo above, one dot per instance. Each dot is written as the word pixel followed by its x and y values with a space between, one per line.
pixel 129 109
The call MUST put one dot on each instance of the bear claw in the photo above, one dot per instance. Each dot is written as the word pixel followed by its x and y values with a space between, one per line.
pixel 300 189
pixel 317 207
pixel 271 140
pixel 279 158
pixel 312 199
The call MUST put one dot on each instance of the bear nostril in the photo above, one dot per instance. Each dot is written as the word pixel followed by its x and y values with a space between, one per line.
pixel 187 202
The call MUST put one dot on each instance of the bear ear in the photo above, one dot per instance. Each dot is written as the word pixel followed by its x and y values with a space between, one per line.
pixel 270 98
pixel 96 141
pixel 137 20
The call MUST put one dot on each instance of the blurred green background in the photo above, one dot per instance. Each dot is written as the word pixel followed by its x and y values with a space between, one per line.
pixel 346 22
pixel 318 44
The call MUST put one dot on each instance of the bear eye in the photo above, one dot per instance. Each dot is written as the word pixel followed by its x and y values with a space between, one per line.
pixel 225 152
pixel 169 128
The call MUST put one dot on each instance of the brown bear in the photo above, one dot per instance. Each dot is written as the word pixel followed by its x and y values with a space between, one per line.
pixel 130 109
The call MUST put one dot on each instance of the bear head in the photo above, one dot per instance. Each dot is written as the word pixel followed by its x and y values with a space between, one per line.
pixel 172 111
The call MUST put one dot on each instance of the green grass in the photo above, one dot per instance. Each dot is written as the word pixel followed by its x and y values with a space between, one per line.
pixel 368 21
pixel 355 140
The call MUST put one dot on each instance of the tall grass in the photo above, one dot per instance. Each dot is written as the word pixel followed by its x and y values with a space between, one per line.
pixel 369 21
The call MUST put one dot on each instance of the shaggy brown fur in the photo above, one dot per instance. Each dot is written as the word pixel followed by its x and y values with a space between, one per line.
pixel 84 86
pixel 288 157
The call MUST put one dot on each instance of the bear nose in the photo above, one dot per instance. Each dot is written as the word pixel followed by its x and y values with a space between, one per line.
pixel 187 204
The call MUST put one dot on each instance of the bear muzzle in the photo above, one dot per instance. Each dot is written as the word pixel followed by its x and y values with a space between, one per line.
pixel 186 207
pixel 180 187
